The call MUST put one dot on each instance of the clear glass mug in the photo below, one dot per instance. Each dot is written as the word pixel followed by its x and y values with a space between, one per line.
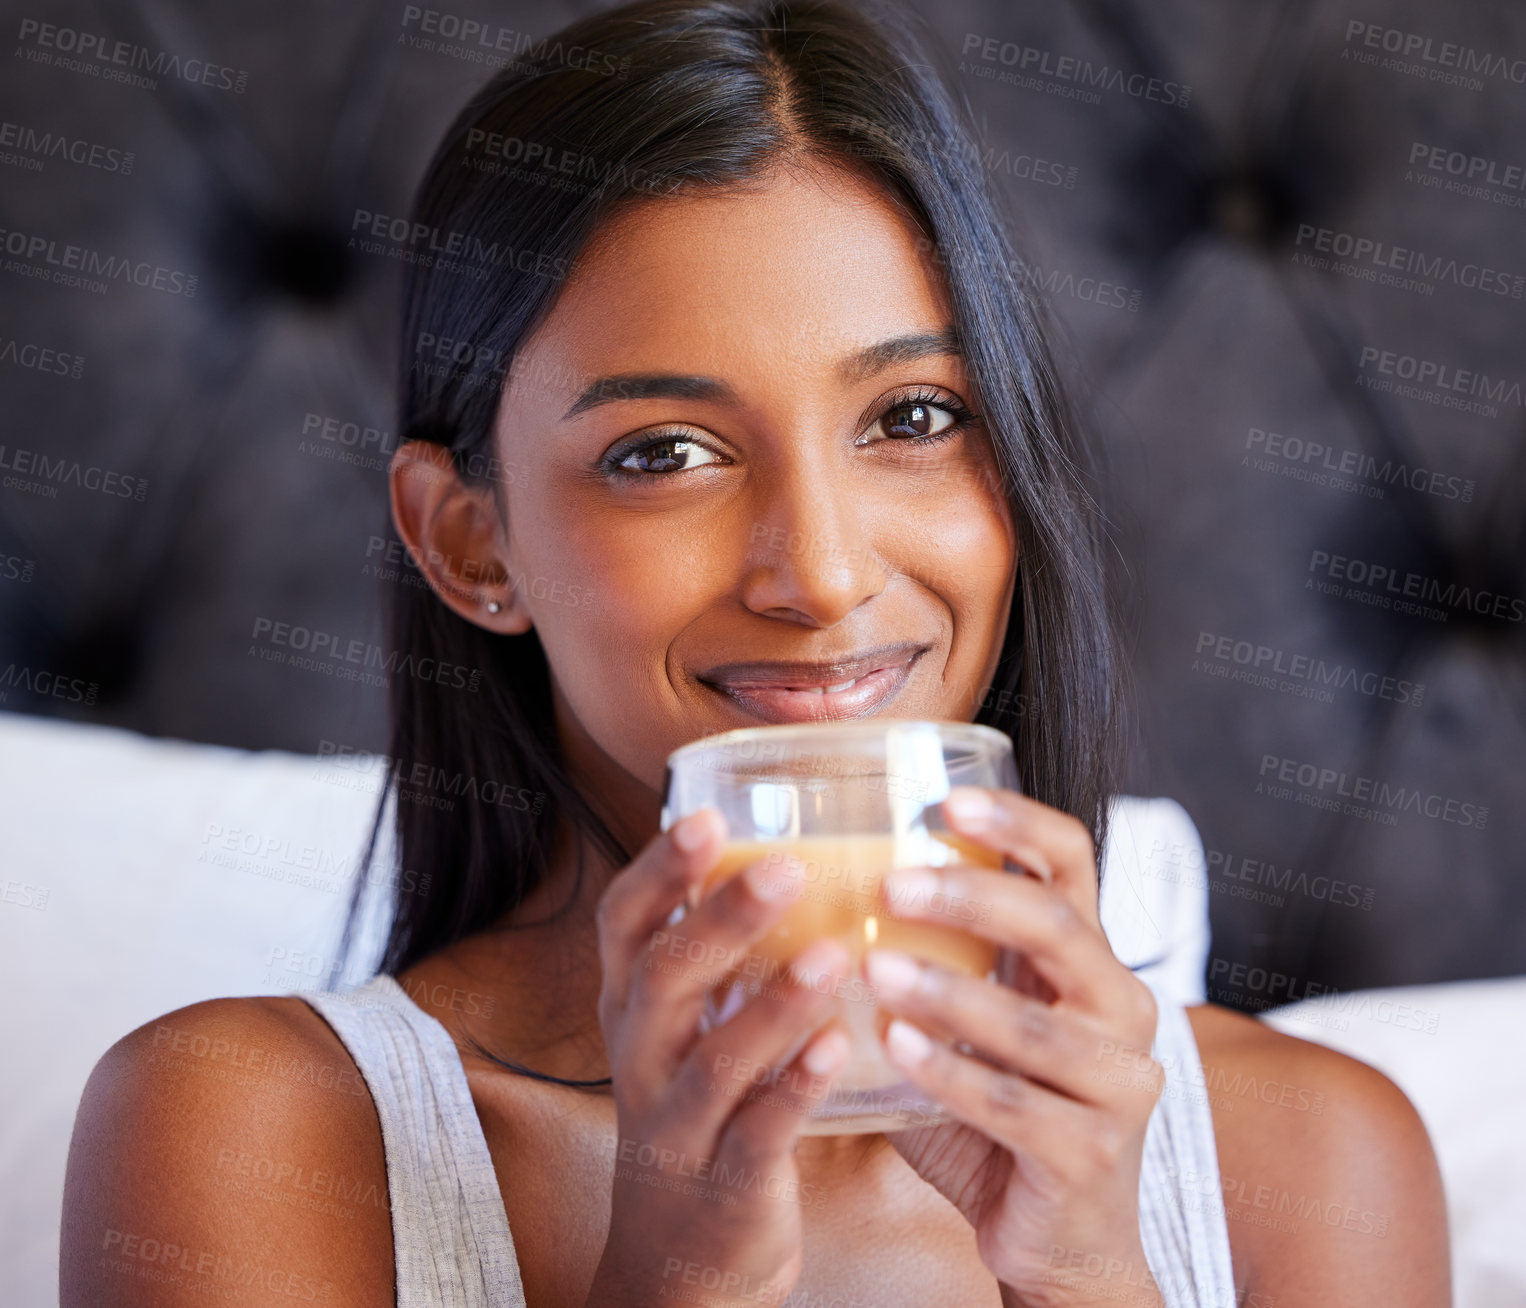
pixel 851 800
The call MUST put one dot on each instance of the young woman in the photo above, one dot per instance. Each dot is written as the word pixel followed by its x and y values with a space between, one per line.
pixel 744 419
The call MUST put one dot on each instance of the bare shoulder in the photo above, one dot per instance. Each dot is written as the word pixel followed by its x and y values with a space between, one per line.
pixel 1330 1183
pixel 229 1149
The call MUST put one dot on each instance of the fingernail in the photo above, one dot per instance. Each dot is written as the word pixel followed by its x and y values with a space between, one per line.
pixel 910 889
pixel 813 964
pixel 776 877
pixel 906 1044
pixel 691 832
pixel 827 1053
pixel 969 804
pixel 891 972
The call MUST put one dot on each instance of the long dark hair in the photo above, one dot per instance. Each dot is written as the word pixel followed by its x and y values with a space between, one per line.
pixel 658 98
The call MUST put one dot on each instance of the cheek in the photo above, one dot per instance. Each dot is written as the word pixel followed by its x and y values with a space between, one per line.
pixel 581 583
pixel 957 545
pixel 642 568
pixel 954 537
pixel 607 593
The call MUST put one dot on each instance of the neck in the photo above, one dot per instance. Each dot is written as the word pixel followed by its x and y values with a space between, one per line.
pixel 630 805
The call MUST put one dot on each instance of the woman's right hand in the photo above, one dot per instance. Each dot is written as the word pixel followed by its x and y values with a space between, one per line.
pixel 706 1195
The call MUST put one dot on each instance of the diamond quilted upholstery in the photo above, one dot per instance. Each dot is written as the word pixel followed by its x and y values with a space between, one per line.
pixel 1282 245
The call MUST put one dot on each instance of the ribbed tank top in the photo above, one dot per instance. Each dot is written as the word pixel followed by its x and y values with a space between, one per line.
pixel 451 1235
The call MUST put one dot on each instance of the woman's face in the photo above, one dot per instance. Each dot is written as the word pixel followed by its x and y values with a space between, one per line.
pixel 743 472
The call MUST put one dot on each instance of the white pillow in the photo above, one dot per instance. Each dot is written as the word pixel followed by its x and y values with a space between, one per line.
pixel 1154 905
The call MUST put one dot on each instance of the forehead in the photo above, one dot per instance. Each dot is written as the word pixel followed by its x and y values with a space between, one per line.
pixel 798 270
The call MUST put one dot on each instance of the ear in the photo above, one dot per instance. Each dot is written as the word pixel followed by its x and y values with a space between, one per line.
pixel 455 537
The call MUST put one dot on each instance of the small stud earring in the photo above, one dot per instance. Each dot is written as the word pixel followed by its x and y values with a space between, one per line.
pixel 493 606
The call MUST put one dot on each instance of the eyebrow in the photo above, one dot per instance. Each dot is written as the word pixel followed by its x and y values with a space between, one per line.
pixel 858 366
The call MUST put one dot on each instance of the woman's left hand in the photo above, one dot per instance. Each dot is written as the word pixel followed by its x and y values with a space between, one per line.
pixel 1044 1157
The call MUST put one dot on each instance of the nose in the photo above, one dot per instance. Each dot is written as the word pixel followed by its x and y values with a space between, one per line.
pixel 810 558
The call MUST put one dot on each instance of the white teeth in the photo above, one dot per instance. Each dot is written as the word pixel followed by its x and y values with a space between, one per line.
pixel 822 690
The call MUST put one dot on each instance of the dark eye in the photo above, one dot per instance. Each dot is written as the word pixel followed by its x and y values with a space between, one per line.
pixel 917 418
pixel 667 455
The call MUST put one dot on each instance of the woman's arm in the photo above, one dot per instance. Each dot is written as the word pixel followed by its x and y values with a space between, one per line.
pixel 1330 1183
pixel 227 1151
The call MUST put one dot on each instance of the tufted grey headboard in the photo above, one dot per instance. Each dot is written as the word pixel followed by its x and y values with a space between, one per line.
pixel 1284 248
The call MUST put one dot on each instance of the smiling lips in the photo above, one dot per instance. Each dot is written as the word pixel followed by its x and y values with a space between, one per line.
pixel 784 691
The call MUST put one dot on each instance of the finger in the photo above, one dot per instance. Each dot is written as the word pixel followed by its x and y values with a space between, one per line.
pixel 1058 1047
pixel 1019 913
pixel 1032 1120
pixel 752 1051
pixel 643 896
pixel 686 959
pixel 770 1120
pixel 1053 846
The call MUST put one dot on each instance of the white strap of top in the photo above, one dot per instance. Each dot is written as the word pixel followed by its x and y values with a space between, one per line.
pixel 449 1229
